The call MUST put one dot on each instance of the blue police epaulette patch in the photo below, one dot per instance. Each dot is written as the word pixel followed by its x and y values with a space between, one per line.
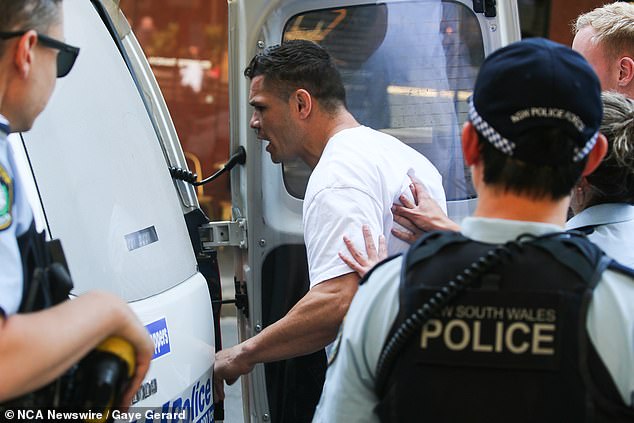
pixel 6 199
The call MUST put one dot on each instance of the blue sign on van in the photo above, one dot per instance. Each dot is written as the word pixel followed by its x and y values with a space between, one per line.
pixel 160 336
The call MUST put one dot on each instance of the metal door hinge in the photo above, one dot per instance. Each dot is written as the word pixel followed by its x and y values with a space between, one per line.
pixel 223 234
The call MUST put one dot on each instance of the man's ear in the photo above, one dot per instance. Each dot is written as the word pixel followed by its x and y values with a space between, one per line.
pixel 470 144
pixel 303 102
pixel 23 58
pixel 626 71
pixel 596 155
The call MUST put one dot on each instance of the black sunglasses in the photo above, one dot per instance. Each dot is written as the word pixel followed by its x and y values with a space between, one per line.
pixel 65 58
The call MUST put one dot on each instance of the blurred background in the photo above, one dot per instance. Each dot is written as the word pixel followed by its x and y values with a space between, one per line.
pixel 186 44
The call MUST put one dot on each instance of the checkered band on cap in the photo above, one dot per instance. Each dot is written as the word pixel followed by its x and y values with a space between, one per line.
pixel 487 131
pixel 508 147
pixel 580 153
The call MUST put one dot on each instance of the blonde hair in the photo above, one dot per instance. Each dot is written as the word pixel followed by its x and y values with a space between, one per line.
pixel 613 25
pixel 613 180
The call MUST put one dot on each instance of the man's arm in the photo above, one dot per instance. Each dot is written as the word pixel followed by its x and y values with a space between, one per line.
pixel 313 322
pixel 36 348
pixel 309 326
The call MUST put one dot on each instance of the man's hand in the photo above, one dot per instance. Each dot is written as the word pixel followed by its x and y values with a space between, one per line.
pixel 229 366
pixel 309 326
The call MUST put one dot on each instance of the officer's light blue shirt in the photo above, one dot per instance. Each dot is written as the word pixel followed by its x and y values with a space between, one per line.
pixel 348 395
pixel 15 219
pixel 613 232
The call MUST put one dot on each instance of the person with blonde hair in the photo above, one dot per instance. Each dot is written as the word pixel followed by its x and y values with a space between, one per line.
pixel 605 37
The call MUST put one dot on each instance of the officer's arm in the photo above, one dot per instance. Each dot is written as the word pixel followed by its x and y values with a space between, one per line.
pixel 36 348
pixel 349 392
pixel 422 215
pixel 309 326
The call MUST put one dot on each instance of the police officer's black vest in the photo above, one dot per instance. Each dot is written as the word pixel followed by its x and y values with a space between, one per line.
pixel 46 281
pixel 511 346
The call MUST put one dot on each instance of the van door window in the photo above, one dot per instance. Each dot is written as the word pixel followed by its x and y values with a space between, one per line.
pixel 408 69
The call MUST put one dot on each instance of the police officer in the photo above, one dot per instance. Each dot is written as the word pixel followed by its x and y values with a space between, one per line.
pixel 511 319
pixel 38 347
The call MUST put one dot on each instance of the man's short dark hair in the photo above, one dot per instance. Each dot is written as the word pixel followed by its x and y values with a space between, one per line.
pixel 300 64
pixel 529 179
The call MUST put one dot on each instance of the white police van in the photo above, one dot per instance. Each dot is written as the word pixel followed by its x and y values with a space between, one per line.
pixel 99 156
pixel 409 67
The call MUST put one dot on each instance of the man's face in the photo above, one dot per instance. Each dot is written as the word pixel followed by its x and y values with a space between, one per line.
pixel 595 55
pixel 272 121
pixel 40 81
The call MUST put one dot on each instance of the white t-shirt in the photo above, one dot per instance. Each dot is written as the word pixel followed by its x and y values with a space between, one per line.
pixel 360 174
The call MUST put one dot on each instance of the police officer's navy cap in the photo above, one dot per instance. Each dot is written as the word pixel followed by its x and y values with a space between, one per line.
pixel 537 83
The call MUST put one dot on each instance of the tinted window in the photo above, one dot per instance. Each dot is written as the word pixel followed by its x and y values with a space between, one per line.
pixel 409 69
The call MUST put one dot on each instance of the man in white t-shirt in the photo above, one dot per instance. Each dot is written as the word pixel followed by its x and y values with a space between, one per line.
pixel 358 173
